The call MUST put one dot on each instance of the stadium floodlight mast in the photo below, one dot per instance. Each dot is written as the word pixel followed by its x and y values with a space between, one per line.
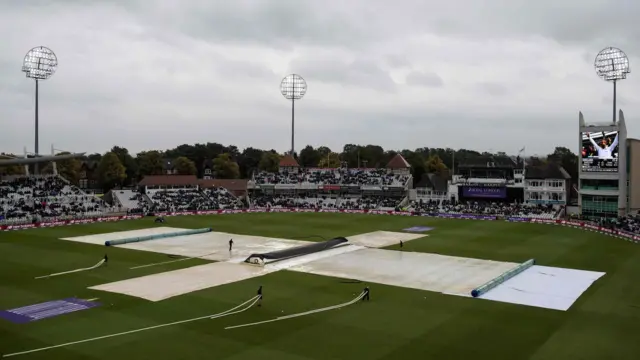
pixel 612 64
pixel 40 63
pixel 293 87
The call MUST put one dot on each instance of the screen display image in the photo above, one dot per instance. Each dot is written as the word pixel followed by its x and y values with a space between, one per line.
pixel 599 151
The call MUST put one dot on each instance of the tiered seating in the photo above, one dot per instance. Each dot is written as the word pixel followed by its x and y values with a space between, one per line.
pixel 389 203
pixel 222 198
pixel 373 177
pixel 180 200
pixel 192 199
pixel 132 201
pixel 359 203
pixel 26 199
pixel 630 224
pixel 327 202
pixel 486 208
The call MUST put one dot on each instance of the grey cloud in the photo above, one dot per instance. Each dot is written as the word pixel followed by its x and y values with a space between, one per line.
pixel 493 88
pixel 358 22
pixel 361 23
pixel 237 69
pixel 428 79
pixel 397 61
pixel 127 67
pixel 361 73
pixel 621 100
pixel 281 24
pixel 535 72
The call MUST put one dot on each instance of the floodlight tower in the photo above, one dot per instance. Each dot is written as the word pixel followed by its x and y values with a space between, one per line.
pixel 612 64
pixel 40 63
pixel 293 87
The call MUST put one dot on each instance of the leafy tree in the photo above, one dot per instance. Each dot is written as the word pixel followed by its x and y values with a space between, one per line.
pixel 225 168
pixel 418 164
pixel 69 169
pixel 567 159
pixel 184 166
pixel 45 168
pixel 422 159
pixel 270 161
pixel 111 171
pixel 248 161
pixel 435 165
pixel 332 160
pixel 94 157
pixel 323 151
pixel 373 155
pixel 129 163
pixel 309 157
pixel 199 153
pixel 350 154
pixel 10 169
pixel 536 161
pixel 150 163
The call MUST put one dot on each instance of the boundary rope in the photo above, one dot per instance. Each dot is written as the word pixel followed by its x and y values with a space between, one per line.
pixel 214 316
pixel 73 271
pixel 310 312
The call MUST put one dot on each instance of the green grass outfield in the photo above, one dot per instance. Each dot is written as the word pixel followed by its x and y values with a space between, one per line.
pixel 397 324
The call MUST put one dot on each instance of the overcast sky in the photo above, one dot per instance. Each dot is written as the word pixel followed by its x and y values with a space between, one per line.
pixel 487 75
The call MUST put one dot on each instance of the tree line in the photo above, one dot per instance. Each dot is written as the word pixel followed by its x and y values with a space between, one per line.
pixel 118 167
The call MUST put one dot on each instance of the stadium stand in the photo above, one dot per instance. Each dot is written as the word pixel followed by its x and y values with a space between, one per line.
pixel 532 211
pixel 27 199
pixel 379 177
pixel 341 188
pixel 629 223
pixel 485 186
pixel 171 193
pixel 132 201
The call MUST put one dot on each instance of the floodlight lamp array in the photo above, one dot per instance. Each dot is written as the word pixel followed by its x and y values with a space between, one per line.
pixel 40 63
pixel 293 87
pixel 612 64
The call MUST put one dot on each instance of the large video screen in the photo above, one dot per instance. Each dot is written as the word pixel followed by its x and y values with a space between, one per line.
pixel 599 151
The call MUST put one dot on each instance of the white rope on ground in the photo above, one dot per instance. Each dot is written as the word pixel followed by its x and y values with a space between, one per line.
pixel 171 261
pixel 73 271
pixel 219 315
pixel 358 298
pixel 232 312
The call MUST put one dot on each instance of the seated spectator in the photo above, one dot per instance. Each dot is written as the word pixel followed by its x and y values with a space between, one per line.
pixel 37 198
pixel 193 199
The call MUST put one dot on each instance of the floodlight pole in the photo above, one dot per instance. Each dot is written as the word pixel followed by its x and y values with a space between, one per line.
pixel 614 101
pixel 293 123
pixel 35 165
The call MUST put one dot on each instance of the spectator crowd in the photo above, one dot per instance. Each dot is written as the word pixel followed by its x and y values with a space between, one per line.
pixel 325 202
pixel 192 199
pixel 370 177
pixel 26 199
pixel 485 208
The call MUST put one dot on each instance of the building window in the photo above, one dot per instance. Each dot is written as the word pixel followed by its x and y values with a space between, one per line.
pixel 83 175
pixel 557 196
pixel 207 171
